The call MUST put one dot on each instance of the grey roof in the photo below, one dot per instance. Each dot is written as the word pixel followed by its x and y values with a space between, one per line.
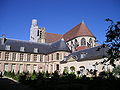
pixel 43 48
pixel 90 54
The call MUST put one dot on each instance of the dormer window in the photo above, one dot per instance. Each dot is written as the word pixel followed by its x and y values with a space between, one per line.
pixel 83 55
pixel 22 49
pixel 35 50
pixel 7 47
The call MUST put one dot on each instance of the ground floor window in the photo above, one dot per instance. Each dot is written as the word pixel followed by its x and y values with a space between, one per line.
pixel 6 67
pixel 28 67
pixel 57 67
pixel 13 67
pixel 21 68
pixel 35 67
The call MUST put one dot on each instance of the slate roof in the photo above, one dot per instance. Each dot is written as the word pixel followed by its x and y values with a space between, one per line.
pixel 52 37
pixel 43 48
pixel 79 30
pixel 90 54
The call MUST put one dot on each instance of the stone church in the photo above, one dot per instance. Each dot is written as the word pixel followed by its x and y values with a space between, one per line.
pixel 52 52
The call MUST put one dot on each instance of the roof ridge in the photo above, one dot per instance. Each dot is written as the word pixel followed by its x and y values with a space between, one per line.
pixel 26 41
pixel 54 33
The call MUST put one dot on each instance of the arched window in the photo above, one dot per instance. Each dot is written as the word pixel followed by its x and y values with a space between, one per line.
pixel 40 34
pixel 83 42
pixel 57 56
pixel 71 42
pixel 90 42
pixel 57 67
pixel 76 43
pixel 51 56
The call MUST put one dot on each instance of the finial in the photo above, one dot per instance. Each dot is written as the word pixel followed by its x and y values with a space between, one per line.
pixel 82 20
pixel 62 39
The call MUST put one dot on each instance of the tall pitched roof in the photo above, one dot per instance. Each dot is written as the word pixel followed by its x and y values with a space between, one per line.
pixel 52 37
pixel 79 30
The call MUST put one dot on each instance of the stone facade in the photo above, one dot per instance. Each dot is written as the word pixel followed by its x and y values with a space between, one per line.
pixel 39 55
pixel 17 61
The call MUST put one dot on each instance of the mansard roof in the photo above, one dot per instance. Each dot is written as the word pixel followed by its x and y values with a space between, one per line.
pixel 52 37
pixel 90 54
pixel 43 48
pixel 79 30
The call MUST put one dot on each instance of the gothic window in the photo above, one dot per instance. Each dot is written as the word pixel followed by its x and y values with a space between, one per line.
pixel 28 57
pixel 38 33
pixel 14 56
pixel 83 42
pixel 76 43
pixel 6 55
pixel 71 45
pixel 21 56
pixel 57 56
pixel 90 42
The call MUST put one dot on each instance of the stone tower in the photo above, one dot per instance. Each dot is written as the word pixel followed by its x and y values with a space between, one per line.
pixel 37 34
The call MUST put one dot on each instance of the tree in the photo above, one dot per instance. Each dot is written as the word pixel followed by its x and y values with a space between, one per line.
pixel 113 41
pixel 116 71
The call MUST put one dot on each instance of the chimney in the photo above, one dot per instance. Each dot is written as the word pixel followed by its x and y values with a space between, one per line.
pixel 3 39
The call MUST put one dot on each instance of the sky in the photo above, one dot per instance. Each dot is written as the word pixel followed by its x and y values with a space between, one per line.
pixel 57 16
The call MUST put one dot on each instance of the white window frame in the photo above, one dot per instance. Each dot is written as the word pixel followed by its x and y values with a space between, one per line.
pixel 22 49
pixel 7 47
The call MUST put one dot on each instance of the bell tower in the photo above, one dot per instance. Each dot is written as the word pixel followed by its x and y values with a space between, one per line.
pixel 37 34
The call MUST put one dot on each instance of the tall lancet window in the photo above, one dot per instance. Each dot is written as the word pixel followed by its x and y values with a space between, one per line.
pixel 40 34
pixel 90 42
pixel 83 42
pixel 76 43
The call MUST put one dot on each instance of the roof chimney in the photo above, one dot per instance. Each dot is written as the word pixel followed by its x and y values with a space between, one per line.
pixel 3 39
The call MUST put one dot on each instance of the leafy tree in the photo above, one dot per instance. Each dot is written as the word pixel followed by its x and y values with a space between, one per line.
pixel 65 71
pixel 116 71
pixel 113 41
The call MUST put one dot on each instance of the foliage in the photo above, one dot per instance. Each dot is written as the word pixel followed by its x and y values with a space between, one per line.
pixel 55 75
pixel 113 41
pixel 116 71
pixel 65 71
